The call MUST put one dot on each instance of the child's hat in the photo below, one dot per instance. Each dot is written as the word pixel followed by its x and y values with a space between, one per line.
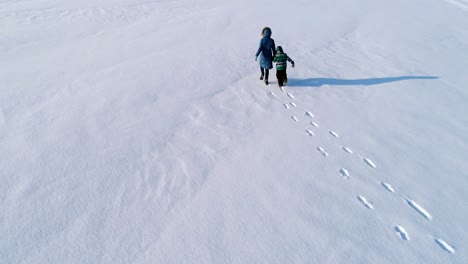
pixel 279 48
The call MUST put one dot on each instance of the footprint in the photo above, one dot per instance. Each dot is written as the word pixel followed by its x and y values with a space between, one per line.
pixel 402 232
pixel 272 94
pixel 364 201
pixel 290 95
pixel 333 133
pixel 293 104
pixel 444 245
pixel 294 118
pixel 310 133
pixel 348 150
pixel 369 162
pixel 282 89
pixel 309 114
pixel 344 173
pixel 286 106
pixel 387 186
pixel 314 124
pixel 321 150
pixel 419 209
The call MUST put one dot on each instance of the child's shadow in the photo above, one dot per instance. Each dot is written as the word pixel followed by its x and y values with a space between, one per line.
pixel 317 82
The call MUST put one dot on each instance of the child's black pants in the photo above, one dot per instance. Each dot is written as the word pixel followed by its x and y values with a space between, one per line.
pixel 282 77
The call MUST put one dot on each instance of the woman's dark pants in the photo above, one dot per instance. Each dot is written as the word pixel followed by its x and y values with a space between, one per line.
pixel 265 72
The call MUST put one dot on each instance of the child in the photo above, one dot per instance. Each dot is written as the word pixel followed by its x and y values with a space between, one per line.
pixel 281 65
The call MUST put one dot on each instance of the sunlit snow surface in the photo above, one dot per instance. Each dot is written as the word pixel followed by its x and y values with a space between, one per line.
pixel 139 132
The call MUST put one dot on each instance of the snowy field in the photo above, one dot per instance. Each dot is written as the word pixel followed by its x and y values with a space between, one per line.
pixel 137 131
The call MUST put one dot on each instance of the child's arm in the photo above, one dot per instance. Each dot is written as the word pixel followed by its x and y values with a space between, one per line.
pixel 291 61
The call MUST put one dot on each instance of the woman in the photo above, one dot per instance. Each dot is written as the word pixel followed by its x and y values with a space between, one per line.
pixel 266 50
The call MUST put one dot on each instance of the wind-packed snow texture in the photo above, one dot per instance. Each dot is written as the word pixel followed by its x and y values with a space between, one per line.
pixel 138 131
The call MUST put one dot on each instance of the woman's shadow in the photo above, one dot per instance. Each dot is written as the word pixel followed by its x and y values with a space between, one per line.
pixel 317 82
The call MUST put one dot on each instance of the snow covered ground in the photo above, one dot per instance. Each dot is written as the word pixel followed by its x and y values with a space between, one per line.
pixel 137 131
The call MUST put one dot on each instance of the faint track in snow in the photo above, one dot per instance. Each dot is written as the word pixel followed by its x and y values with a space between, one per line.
pixel 91 14
pixel 99 14
pixel 462 4
pixel 2 117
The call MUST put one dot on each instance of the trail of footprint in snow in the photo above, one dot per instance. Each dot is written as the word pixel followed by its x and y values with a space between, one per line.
pixel 309 114
pixel 321 150
pixel 294 118
pixel 418 209
pixel 364 201
pixel 387 186
pixel 314 124
pixel 444 245
pixel 290 95
pixel 344 172
pixel 310 133
pixel 369 162
pixel 293 104
pixel 348 150
pixel 272 94
pixel 286 106
pixel 333 133
pixel 402 232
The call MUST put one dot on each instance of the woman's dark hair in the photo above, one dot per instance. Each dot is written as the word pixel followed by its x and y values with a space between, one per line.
pixel 264 29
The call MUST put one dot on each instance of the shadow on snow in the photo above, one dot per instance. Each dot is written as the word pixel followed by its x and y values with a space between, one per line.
pixel 316 82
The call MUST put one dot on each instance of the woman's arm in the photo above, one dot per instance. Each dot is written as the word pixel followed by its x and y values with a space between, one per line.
pixel 259 49
pixel 273 48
